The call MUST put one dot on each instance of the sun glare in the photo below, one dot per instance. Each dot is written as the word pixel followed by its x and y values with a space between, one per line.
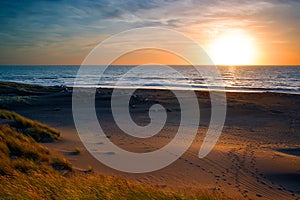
pixel 234 48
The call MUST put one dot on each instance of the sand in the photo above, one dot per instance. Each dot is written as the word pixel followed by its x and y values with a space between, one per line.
pixel 256 157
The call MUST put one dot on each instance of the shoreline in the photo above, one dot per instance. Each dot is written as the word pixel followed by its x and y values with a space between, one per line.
pixel 227 90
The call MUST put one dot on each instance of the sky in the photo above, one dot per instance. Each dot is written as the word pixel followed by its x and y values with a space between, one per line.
pixel 64 32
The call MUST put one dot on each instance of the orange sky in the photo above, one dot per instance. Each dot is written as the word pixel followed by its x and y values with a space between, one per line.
pixel 65 32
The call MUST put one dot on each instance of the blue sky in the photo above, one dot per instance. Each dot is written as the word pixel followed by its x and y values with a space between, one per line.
pixel 63 32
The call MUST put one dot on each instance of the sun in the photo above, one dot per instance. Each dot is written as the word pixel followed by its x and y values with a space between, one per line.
pixel 232 48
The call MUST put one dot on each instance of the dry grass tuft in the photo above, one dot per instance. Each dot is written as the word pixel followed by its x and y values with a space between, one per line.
pixel 29 170
pixel 38 131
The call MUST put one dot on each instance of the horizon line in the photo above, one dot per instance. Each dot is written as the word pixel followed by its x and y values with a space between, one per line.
pixel 123 65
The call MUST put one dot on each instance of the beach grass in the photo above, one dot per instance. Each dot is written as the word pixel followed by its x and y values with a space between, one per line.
pixel 20 153
pixel 12 94
pixel 6 101
pixel 38 131
pixel 76 151
pixel 20 89
pixel 28 170
pixel 80 186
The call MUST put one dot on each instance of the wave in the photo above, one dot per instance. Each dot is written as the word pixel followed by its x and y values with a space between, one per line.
pixel 243 78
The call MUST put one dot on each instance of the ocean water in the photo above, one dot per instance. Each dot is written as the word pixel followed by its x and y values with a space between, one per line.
pixel 285 79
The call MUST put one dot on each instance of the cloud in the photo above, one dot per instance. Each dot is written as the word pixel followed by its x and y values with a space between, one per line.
pixel 56 25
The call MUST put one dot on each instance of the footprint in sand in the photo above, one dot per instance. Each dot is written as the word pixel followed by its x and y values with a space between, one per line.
pixel 258 195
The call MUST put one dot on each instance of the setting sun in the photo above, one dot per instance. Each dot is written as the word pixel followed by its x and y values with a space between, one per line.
pixel 233 48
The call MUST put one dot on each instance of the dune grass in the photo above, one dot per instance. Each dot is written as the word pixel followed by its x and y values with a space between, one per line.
pixel 6 101
pixel 38 131
pixel 18 94
pixel 79 186
pixel 19 153
pixel 76 151
pixel 28 170
pixel 13 88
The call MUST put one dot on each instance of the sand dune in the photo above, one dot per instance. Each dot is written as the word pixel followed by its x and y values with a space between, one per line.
pixel 257 156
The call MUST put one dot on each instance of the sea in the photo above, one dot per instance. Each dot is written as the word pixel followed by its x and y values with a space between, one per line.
pixel 279 79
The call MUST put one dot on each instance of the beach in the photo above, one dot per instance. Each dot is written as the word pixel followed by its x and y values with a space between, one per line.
pixel 256 157
pixel 160 99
